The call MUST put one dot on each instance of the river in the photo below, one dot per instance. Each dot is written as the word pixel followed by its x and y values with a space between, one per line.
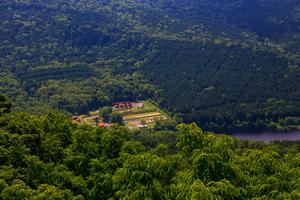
pixel 269 136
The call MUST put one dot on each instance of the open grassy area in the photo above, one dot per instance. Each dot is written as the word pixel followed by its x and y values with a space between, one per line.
pixel 142 115
pixel 147 115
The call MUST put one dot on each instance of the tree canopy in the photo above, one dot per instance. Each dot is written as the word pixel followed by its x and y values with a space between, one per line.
pixel 49 157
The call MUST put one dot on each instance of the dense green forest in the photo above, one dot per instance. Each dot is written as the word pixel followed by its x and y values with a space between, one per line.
pixel 227 65
pixel 224 87
pixel 67 58
pixel 49 157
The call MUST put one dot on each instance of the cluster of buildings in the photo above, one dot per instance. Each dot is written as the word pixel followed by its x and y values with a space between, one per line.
pixel 100 123
pixel 95 120
pixel 123 105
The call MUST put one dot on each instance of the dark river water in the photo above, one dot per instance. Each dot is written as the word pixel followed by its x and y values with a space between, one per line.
pixel 269 136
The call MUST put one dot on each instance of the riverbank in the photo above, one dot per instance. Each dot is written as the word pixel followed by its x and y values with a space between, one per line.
pixel 269 136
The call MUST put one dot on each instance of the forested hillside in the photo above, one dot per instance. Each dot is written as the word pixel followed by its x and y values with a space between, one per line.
pixel 49 157
pixel 227 87
pixel 67 58
pixel 227 65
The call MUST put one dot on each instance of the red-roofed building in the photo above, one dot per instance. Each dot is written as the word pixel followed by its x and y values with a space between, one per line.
pixel 103 125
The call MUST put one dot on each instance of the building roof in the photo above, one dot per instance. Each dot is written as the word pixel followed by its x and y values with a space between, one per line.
pixel 101 124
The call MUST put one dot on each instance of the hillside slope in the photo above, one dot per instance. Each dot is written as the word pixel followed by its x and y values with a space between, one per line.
pixel 225 87
pixel 224 64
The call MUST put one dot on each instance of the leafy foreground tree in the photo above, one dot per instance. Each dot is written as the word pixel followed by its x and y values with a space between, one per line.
pixel 49 157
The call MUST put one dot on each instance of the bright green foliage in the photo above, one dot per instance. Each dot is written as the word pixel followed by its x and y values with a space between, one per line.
pixel 189 137
pixel 200 191
pixel 49 157
pixel 143 176
pixel 18 190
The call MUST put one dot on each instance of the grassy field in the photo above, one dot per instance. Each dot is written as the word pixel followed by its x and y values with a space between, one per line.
pixel 147 115
pixel 142 115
